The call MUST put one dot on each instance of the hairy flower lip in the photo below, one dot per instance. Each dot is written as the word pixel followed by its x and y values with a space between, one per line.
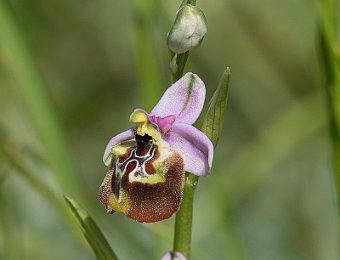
pixel 150 190
pixel 172 119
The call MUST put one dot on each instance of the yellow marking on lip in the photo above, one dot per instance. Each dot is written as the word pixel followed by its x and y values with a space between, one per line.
pixel 120 205
pixel 158 177
pixel 121 149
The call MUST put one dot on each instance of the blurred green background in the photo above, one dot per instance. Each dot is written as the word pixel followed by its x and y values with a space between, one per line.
pixel 270 194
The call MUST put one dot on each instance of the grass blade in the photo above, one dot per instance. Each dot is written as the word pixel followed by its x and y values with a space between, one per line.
pixel 91 231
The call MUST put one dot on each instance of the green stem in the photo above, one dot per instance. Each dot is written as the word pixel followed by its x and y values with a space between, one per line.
pixel 191 2
pixel 183 222
pixel 212 127
pixel 33 91
pixel 181 60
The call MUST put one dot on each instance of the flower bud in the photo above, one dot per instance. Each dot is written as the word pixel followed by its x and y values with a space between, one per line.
pixel 188 29
pixel 173 256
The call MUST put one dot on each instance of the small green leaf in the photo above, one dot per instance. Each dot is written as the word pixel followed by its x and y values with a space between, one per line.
pixel 91 232
pixel 213 121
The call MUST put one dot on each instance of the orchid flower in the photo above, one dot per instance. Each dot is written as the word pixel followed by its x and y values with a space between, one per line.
pixel 146 164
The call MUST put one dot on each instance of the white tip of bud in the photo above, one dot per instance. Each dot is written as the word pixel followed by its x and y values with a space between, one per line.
pixel 188 29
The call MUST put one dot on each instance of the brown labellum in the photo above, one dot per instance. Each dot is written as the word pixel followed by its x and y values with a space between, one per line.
pixel 145 182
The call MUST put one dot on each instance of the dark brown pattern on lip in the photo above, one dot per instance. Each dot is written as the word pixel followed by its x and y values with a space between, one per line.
pixel 141 163
pixel 155 202
pixel 143 201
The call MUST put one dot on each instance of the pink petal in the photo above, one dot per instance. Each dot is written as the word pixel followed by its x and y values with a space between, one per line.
pixel 127 135
pixel 194 146
pixel 164 123
pixel 184 99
